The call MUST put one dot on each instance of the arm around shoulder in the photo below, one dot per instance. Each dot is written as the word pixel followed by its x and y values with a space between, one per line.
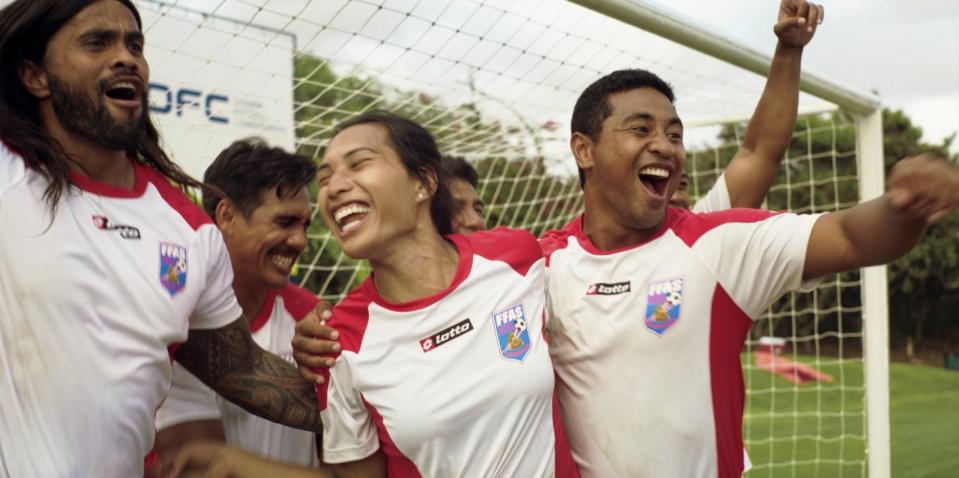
pixel 231 363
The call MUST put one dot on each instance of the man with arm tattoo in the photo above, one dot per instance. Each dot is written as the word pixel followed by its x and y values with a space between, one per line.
pixel 231 363
pixel 263 212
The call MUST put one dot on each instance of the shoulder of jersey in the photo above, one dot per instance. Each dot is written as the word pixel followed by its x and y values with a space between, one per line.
pixel 516 247
pixel 351 316
pixel 12 165
pixel 556 239
pixel 7 151
pixel 690 226
pixel 177 199
pixel 298 301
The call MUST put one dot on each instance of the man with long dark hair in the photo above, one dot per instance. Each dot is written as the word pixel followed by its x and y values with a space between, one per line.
pixel 104 262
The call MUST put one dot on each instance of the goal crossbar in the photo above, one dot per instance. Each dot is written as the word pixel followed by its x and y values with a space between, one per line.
pixel 667 23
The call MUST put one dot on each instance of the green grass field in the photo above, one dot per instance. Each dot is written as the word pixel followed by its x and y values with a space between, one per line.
pixel 817 429
pixel 925 421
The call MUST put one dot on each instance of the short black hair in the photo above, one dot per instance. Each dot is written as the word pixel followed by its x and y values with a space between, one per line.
pixel 462 169
pixel 247 168
pixel 418 152
pixel 592 107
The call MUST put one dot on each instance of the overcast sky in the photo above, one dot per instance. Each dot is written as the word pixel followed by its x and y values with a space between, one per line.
pixel 906 50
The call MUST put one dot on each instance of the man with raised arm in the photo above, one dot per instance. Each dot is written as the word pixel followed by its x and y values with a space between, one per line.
pixel 651 305
pixel 105 265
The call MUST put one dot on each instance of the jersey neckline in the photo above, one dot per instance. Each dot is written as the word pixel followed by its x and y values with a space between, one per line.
pixel 591 248
pixel 260 320
pixel 102 189
pixel 462 271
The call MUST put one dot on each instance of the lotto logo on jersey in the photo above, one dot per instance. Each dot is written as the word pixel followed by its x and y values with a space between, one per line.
pixel 601 288
pixel 172 267
pixel 445 335
pixel 663 305
pixel 126 232
pixel 512 335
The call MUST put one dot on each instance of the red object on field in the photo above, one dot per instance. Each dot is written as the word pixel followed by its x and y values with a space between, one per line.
pixel 768 359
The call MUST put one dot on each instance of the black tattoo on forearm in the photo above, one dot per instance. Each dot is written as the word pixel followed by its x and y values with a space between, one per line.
pixel 227 360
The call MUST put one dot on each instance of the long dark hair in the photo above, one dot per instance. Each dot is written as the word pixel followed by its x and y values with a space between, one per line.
pixel 418 152
pixel 26 27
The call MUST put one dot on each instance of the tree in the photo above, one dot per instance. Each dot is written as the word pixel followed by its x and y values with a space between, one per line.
pixel 923 287
pixel 924 284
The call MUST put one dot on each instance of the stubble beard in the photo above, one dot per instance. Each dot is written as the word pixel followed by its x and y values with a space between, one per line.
pixel 81 115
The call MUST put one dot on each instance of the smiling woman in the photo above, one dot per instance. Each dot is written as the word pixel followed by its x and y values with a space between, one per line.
pixel 372 135
pixel 443 370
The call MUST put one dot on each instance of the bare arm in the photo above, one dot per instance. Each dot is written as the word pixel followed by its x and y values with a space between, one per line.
pixel 170 440
pixel 921 191
pixel 752 170
pixel 229 362
pixel 373 466
pixel 218 459
pixel 868 234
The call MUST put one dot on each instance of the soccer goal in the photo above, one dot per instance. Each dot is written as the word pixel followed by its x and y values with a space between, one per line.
pixel 496 81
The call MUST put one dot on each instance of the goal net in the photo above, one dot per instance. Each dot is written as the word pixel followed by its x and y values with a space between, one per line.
pixel 495 81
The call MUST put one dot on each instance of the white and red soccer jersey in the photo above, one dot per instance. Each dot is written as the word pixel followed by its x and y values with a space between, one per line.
pixel 716 199
pixel 646 339
pixel 456 384
pixel 190 400
pixel 90 301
